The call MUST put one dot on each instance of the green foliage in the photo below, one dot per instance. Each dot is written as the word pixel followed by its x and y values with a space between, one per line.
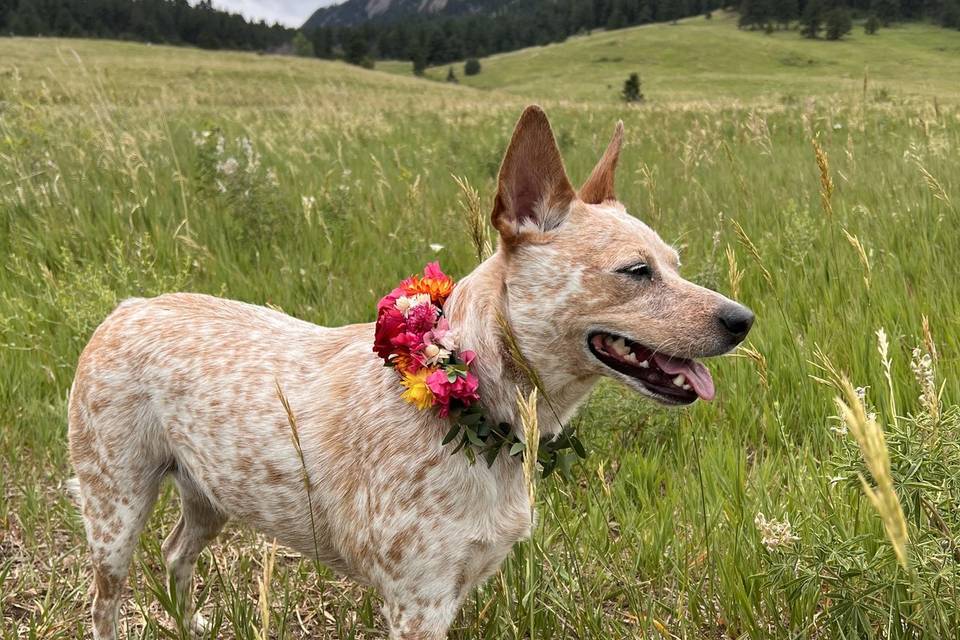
pixel 106 194
pixel 838 23
pixel 471 67
pixel 451 76
pixel 871 25
pixel 631 89
pixel 302 46
pixel 811 21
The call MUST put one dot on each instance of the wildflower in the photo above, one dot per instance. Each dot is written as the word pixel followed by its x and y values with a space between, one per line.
pixel 406 303
pixel 228 167
pixel 418 392
pixel 421 318
pixel 434 355
pixel 463 389
pixel 774 534
pixel 443 335
pixel 436 247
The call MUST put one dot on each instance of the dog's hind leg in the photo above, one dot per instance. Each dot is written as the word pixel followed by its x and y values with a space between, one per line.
pixel 117 490
pixel 199 524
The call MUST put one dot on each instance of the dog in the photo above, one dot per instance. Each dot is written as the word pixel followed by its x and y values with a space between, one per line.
pixel 185 385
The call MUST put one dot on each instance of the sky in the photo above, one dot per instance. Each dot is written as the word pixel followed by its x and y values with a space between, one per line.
pixel 292 13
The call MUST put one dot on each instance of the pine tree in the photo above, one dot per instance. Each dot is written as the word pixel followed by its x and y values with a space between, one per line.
pixel 631 89
pixel 812 19
pixel 451 76
pixel 872 25
pixel 886 10
pixel 838 23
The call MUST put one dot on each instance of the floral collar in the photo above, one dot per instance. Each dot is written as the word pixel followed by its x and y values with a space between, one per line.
pixel 415 338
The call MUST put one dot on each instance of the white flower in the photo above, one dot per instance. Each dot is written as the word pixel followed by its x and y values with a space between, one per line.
pixel 837 126
pixel 406 303
pixel 436 247
pixel 228 167
pixel 774 534
pixel 435 355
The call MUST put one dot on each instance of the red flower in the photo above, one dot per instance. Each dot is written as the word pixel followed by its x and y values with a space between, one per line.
pixel 390 323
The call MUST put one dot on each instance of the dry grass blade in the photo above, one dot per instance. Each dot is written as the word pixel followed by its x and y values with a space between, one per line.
pixel 516 355
pixel 934 185
pixel 531 433
pixel 475 218
pixel 751 353
pixel 263 601
pixel 734 272
pixel 752 248
pixel 883 346
pixel 826 182
pixel 861 253
pixel 873 447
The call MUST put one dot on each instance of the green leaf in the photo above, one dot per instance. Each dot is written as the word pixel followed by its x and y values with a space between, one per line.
pixel 473 437
pixel 451 434
pixel 517 448
pixel 578 447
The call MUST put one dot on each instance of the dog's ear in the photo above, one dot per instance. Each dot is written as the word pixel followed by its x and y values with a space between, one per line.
pixel 533 187
pixel 599 186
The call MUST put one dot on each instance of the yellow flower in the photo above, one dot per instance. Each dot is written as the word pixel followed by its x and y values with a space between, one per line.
pixel 417 393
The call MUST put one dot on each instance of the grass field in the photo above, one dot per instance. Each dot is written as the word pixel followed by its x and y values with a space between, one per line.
pixel 313 187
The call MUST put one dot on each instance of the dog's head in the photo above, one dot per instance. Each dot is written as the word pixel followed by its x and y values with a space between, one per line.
pixel 593 291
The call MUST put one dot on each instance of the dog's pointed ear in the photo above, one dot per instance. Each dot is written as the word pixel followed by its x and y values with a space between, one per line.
pixel 599 186
pixel 533 186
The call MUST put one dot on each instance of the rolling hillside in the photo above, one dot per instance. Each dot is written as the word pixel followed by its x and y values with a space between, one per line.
pixel 700 59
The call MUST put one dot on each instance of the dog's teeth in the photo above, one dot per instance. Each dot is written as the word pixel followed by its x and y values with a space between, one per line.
pixel 679 381
pixel 630 357
pixel 645 364
pixel 685 387
pixel 620 347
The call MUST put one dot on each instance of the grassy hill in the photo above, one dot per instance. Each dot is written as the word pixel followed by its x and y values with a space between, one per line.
pixel 712 60
pixel 314 187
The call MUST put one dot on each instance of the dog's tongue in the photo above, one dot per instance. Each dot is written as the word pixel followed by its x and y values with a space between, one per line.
pixel 697 375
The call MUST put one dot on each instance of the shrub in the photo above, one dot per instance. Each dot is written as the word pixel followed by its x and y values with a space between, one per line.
pixel 838 23
pixel 451 76
pixel 471 67
pixel 631 89
pixel 872 25
pixel 302 46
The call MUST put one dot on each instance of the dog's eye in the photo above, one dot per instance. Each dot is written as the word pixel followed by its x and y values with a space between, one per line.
pixel 641 270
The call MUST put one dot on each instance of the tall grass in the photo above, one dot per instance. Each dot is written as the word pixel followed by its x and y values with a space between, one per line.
pixel 311 187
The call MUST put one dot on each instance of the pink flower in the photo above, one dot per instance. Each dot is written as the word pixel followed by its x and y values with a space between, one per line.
pixel 433 270
pixel 462 390
pixel 389 300
pixel 421 318
pixel 442 335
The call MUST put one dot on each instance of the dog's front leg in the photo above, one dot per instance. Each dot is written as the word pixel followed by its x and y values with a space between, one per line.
pixel 413 617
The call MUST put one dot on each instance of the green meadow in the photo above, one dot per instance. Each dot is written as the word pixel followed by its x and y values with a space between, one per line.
pixel 313 187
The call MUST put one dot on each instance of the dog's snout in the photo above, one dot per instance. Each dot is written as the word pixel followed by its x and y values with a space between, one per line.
pixel 736 320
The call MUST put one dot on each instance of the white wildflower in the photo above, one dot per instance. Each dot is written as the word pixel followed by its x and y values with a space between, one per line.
pixel 436 247
pixel 837 126
pixel 774 534
pixel 228 167
pixel 406 303
pixel 435 355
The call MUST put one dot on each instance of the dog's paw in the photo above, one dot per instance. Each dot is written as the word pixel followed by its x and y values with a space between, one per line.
pixel 199 626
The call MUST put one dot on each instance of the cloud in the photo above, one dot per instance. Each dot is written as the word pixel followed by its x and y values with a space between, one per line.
pixel 291 13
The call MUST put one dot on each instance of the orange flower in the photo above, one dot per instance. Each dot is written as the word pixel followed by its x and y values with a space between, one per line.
pixel 434 282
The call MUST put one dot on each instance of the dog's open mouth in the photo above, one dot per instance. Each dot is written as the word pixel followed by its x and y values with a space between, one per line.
pixel 672 380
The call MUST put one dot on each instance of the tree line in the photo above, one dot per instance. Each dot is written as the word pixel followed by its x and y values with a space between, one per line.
pixel 434 40
pixel 833 16
pixel 160 21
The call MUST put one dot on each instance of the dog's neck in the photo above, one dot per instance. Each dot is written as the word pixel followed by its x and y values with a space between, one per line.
pixel 474 309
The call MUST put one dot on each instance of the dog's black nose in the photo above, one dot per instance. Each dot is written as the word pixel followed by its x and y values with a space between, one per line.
pixel 736 320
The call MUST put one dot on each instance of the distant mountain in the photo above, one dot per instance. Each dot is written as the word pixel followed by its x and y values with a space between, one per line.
pixel 354 12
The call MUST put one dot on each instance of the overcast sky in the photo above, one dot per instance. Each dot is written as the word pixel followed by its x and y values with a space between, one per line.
pixel 292 13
